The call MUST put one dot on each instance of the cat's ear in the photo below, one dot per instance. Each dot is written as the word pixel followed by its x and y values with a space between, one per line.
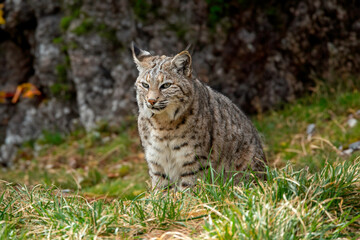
pixel 182 63
pixel 140 57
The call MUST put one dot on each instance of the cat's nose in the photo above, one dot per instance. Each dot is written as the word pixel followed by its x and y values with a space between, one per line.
pixel 152 101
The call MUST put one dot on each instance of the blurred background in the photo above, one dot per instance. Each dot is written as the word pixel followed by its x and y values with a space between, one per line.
pixel 67 75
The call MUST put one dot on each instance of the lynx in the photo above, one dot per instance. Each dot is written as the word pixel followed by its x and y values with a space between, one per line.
pixel 185 126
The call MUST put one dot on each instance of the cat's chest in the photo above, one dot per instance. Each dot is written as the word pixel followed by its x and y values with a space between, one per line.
pixel 166 141
pixel 165 149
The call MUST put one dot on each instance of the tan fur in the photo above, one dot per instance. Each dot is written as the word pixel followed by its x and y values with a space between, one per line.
pixel 190 126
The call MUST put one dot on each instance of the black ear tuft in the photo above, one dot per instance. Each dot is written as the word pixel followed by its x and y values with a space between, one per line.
pixel 136 50
pixel 139 56
pixel 190 48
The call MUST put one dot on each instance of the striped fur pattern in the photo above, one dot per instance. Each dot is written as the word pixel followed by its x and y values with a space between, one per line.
pixel 185 126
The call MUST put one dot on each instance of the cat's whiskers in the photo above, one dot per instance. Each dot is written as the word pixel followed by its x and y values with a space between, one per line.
pixel 187 126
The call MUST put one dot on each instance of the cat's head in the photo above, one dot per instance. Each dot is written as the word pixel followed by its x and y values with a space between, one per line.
pixel 164 83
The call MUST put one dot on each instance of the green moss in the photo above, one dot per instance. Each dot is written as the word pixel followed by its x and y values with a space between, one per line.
pixel 103 126
pixel 61 71
pixel 67 60
pixel 74 7
pixel 52 138
pixel 86 26
pixel 65 22
pixel 101 27
pixel 141 8
pixel 28 144
pixel 58 40
pixel 64 48
pixel 76 13
pixel 110 35
pixel 62 88
pixel 107 33
pixel 217 10
pixel 72 11
pixel 73 45
pixel 180 30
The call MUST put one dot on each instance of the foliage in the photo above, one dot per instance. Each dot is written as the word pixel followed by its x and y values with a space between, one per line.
pixel 141 8
pixel 24 90
pixel 73 9
pixel 94 184
pixel 290 205
pixel 86 26
pixel 219 10
pixel 61 72
pixel 65 22
pixel 180 30
pixel 63 88
pixel 108 33
pixel 286 128
pixel 2 20
pixel 52 138
pixel 100 162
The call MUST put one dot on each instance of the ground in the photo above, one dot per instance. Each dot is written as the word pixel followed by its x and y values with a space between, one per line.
pixel 95 184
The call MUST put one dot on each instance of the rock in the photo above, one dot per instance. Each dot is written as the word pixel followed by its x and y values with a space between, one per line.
pixel 7 153
pixel 258 58
pixel 310 129
pixel 29 121
pixel 348 151
pixel 48 55
pixel 355 146
pixel 352 122
pixel 44 7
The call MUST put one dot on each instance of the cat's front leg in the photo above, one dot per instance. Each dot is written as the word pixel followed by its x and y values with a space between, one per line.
pixel 159 179
pixel 191 168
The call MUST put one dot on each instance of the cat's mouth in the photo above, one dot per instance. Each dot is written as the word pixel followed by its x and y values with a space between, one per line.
pixel 156 108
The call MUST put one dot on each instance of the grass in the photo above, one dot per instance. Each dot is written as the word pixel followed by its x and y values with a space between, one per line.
pixel 328 108
pixel 94 185
pixel 290 205
pixel 102 162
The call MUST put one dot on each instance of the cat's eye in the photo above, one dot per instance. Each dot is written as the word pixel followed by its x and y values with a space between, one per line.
pixel 165 85
pixel 145 85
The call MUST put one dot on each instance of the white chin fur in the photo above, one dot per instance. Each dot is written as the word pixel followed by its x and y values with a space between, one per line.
pixel 157 111
pixel 170 110
pixel 150 112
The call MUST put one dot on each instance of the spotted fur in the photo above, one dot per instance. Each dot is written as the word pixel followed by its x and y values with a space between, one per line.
pixel 185 126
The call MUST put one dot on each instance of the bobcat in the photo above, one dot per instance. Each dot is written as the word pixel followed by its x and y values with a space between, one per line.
pixel 185 126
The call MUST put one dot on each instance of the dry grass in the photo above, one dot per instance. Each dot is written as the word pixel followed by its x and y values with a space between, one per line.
pixel 290 205
pixel 93 185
